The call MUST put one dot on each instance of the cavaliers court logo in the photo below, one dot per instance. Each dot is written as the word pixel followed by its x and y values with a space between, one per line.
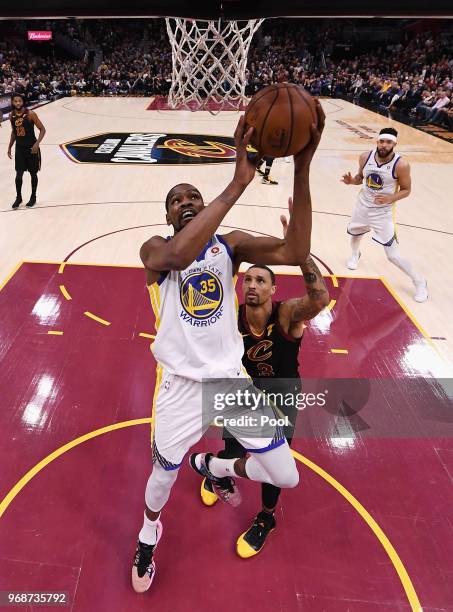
pixel 201 296
pixel 148 148
pixel 374 181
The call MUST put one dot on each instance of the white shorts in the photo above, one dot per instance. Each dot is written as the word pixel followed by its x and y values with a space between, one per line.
pixel 380 220
pixel 180 421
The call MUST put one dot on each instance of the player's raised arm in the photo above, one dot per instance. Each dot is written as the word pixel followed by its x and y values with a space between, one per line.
pixel 295 247
pixel 295 311
pixel 348 179
pixel 177 253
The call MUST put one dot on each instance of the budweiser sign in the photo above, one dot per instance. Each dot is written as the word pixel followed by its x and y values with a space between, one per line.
pixel 39 35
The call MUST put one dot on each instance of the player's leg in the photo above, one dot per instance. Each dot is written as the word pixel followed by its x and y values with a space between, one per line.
pixel 358 226
pixel 421 287
pixel 267 180
pixel 20 167
pixel 177 426
pixel 251 542
pixel 232 449
pixel 34 165
pixel 384 231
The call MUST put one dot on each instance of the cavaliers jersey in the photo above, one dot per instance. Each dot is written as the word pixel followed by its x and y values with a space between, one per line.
pixel 378 179
pixel 24 128
pixel 196 317
pixel 274 353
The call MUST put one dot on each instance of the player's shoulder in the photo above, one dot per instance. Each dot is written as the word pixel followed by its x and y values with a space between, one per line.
pixel 365 156
pixel 401 165
pixel 150 244
pixel 234 238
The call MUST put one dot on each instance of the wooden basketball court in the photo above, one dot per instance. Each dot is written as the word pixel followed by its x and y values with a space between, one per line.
pixel 369 527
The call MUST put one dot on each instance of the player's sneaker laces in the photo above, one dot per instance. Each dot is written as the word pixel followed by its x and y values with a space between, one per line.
pixel 421 291
pixel 267 180
pixel 225 488
pixel 208 497
pixel 252 541
pixel 353 261
pixel 144 567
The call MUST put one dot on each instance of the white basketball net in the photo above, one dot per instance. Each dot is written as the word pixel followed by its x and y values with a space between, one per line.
pixel 209 60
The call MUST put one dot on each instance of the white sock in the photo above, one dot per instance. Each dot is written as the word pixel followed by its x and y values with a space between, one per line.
pixel 148 533
pixel 395 258
pixel 222 467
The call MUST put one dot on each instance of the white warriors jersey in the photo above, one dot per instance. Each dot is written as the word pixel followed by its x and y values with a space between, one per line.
pixel 378 179
pixel 196 317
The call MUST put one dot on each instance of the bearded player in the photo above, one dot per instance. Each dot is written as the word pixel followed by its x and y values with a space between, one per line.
pixel 386 179
pixel 190 276
pixel 28 155
pixel 272 333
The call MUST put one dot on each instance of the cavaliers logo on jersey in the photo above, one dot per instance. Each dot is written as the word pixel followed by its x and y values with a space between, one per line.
pixel 374 181
pixel 201 295
pixel 260 351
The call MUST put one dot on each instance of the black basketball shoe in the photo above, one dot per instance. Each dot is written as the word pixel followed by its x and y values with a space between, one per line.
pixel 252 541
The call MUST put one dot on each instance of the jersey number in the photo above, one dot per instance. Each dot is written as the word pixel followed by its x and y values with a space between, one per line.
pixel 207 286
pixel 20 131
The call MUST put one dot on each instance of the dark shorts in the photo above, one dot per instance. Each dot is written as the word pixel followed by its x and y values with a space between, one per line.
pixel 26 161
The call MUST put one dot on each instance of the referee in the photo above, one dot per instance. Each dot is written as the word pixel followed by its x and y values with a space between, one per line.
pixel 28 155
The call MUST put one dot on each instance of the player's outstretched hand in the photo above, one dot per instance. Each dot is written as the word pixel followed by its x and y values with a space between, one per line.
pixel 347 179
pixel 245 168
pixel 283 219
pixel 305 156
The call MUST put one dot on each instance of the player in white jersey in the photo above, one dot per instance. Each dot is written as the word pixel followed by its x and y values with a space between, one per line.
pixel 385 178
pixel 191 280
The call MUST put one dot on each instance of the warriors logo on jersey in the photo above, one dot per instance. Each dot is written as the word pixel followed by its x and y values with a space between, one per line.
pixel 374 181
pixel 201 294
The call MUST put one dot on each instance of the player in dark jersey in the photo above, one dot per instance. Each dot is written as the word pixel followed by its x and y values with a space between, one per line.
pixel 272 333
pixel 267 161
pixel 28 155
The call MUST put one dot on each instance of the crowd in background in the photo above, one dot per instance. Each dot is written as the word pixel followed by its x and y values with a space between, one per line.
pixel 410 73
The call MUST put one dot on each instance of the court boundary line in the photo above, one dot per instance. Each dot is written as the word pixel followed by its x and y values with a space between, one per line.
pixel 378 532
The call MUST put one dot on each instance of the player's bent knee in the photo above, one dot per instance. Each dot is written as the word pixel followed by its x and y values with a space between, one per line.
pixel 289 478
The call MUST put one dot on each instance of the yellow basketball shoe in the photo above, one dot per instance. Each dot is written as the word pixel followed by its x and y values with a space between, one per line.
pixel 208 497
pixel 252 541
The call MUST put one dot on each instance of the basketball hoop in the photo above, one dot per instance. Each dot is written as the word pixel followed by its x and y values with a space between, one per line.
pixel 209 60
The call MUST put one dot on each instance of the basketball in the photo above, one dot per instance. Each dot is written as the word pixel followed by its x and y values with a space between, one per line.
pixel 281 115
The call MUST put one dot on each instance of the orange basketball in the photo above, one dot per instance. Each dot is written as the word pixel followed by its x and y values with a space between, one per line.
pixel 281 115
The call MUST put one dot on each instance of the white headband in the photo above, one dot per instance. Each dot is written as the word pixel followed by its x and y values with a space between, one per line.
pixel 387 136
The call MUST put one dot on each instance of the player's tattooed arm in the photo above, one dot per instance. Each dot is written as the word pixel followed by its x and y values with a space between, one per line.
pixel 294 312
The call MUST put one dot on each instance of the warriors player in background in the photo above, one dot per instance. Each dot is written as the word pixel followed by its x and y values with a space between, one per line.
pixel 272 333
pixel 190 278
pixel 28 155
pixel 386 178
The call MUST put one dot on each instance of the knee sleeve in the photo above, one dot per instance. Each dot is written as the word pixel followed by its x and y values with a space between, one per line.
pixel 159 486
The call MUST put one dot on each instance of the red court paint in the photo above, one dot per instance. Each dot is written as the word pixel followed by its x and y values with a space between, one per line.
pixel 73 527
